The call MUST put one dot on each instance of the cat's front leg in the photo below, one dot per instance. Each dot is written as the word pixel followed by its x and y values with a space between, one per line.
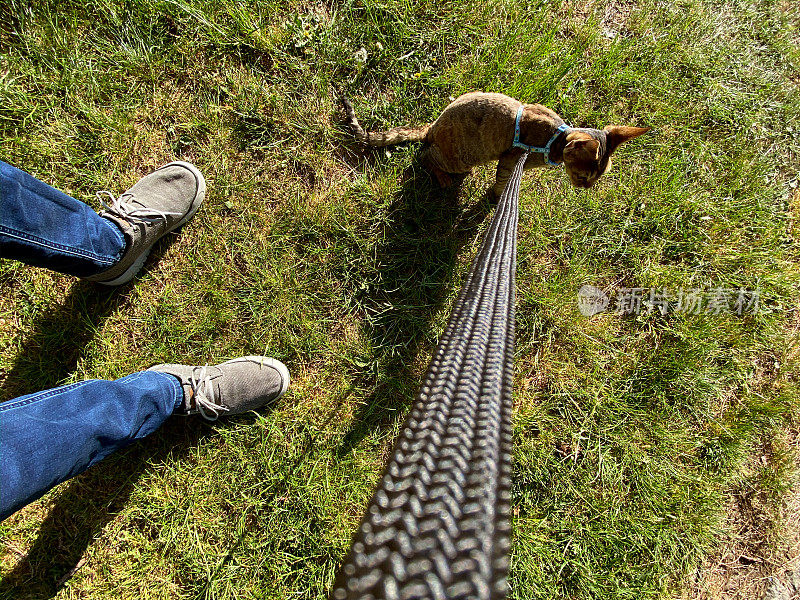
pixel 505 166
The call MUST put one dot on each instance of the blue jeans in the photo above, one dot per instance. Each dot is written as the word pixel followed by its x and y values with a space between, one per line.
pixel 44 227
pixel 50 436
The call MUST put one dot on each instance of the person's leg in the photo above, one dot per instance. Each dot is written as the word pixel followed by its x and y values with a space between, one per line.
pixel 43 227
pixel 50 436
pixel 46 228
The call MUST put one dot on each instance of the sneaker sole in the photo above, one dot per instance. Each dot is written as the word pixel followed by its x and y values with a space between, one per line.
pixel 269 362
pixel 130 273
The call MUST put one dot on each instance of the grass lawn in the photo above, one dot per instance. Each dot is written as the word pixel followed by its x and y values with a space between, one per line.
pixel 656 456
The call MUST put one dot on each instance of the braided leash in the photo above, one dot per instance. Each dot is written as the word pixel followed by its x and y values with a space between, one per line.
pixel 438 525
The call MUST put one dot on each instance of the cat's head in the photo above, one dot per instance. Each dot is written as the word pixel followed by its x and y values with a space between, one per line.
pixel 587 153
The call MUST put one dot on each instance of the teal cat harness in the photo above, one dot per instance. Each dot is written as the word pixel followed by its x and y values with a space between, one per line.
pixel 540 150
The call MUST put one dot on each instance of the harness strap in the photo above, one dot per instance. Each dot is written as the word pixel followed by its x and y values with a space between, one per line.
pixel 546 149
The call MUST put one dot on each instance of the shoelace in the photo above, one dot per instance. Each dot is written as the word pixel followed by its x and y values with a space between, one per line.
pixel 121 208
pixel 204 394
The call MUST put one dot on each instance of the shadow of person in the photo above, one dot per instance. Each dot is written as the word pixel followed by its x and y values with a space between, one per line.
pixel 91 500
pixel 49 355
pixel 58 339
pixel 61 333
pixel 404 289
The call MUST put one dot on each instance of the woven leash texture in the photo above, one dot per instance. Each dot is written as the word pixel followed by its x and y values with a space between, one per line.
pixel 438 525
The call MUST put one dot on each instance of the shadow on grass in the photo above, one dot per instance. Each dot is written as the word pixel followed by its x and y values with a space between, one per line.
pixel 90 500
pixel 405 289
pixel 52 351
pixel 60 335
pixel 88 503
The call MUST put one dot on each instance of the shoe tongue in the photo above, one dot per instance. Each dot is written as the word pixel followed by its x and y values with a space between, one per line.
pixel 188 396
pixel 128 200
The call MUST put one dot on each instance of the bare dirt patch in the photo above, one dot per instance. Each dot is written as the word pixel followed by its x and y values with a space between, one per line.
pixel 615 18
pixel 760 553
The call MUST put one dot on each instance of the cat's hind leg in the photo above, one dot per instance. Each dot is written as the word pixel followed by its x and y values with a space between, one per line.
pixel 432 158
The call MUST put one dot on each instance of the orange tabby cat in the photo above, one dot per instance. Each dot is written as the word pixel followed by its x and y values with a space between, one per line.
pixel 477 128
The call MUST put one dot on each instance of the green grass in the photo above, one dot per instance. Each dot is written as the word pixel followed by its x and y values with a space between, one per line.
pixel 634 435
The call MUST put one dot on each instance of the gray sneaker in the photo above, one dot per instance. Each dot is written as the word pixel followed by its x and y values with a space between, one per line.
pixel 156 204
pixel 230 388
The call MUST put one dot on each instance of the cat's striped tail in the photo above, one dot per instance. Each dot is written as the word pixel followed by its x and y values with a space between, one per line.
pixel 391 137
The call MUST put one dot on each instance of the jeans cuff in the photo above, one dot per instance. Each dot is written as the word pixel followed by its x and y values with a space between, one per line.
pixel 177 388
pixel 123 241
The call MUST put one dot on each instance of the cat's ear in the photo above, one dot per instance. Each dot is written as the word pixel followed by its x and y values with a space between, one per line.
pixel 583 146
pixel 619 134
